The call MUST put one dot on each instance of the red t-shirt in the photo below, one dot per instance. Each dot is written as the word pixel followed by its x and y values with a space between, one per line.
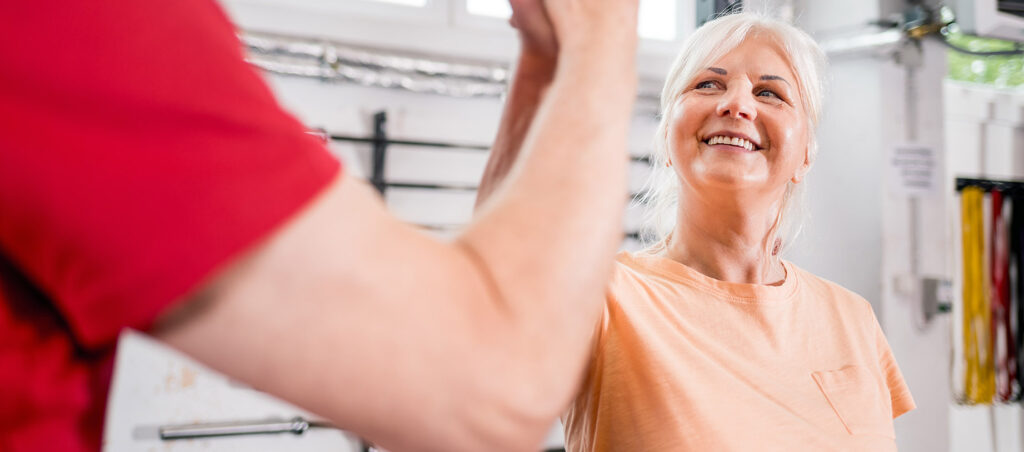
pixel 138 155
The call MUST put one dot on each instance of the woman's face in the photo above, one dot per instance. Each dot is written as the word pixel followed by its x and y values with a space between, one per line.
pixel 741 124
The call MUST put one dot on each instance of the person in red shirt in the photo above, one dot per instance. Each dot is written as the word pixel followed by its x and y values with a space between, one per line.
pixel 148 179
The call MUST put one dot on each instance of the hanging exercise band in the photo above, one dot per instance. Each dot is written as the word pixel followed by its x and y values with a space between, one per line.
pixel 979 379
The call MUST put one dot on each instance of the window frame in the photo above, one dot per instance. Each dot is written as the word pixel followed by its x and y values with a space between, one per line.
pixel 461 17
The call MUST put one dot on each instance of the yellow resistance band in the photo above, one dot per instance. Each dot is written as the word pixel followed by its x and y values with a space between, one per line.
pixel 979 380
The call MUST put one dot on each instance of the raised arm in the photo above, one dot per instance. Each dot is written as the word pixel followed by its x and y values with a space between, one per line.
pixel 418 344
pixel 534 71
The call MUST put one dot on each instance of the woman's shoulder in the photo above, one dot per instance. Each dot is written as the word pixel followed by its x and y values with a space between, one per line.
pixel 644 275
pixel 636 266
pixel 626 270
pixel 817 287
pixel 626 261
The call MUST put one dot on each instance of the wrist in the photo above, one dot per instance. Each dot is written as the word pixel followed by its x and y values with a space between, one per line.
pixel 597 76
pixel 599 59
pixel 535 65
pixel 609 45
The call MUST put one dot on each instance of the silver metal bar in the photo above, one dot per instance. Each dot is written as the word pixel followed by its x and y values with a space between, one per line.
pixel 873 43
pixel 337 62
pixel 296 425
pixel 331 53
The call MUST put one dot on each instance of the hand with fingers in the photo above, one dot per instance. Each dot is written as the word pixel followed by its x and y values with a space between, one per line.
pixel 545 26
pixel 563 42
pixel 535 30
pixel 586 25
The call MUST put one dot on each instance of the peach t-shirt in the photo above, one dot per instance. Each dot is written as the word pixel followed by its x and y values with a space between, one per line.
pixel 684 362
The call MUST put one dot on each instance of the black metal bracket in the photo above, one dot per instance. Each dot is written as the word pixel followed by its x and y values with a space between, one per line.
pixel 1005 186
pixel 380 149
pixel 380 142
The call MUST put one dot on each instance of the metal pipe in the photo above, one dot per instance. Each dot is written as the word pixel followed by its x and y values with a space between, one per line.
pixel 296 425
pixel 876 43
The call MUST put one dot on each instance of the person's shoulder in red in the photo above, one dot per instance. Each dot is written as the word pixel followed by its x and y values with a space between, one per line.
pixel 139 155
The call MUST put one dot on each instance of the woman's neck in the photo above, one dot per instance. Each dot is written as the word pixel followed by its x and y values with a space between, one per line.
pixel 726 239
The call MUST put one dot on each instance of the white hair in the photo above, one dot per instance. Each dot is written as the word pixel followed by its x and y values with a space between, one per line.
pixel 706 45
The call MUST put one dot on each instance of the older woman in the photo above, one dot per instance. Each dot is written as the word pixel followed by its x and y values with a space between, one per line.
pixel 709 340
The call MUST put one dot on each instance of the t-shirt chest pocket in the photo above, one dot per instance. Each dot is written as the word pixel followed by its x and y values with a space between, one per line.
pixel 859 399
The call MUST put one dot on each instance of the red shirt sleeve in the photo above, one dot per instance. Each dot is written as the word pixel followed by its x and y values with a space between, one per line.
pixel 139 153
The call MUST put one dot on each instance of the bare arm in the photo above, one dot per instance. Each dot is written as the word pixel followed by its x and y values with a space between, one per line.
pixel 419 344
pixel 532 78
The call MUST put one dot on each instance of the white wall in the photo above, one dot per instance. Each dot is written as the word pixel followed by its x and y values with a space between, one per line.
pixel 842 240
pixel 842 236
pixel 916 116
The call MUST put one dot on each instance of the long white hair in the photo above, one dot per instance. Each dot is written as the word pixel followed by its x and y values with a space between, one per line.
pixel 706 45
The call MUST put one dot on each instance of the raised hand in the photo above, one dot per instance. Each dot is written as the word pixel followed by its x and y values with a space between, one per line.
pixel 608 24
pixel 538 36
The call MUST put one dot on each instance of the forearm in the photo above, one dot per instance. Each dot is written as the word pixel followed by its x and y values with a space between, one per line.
pixel 533 74
pixel 360 318
pixel 561 206
pixel 548 235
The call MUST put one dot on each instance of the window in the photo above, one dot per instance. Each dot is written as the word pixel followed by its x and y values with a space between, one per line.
pixel 1001 71
pixel 657 17
pixel 489 8
pixel 412 11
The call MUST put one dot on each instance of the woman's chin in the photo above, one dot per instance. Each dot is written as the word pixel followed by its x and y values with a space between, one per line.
pixel 731 179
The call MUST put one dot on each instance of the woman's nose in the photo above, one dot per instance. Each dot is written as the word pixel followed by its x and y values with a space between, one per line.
pixel 737 105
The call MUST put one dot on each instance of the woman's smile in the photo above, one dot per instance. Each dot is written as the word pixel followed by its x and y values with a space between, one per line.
pixel 731 141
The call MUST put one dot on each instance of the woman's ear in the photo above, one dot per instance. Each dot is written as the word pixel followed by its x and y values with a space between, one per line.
pixel 663 130
pixel 802 170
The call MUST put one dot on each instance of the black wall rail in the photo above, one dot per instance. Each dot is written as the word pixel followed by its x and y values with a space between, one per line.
pixel 1005 186
pixel 380 142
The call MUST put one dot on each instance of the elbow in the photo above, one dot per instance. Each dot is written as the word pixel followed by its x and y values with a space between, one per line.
pixel 514 408
pixel 521 363
pixel 477 422
pixel 519 429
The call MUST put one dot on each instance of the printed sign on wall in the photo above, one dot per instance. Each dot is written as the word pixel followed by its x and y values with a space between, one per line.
pixel 914 170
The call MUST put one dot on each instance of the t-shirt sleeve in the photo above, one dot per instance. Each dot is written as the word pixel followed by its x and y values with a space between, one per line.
pixel 902 401
pixel 139 154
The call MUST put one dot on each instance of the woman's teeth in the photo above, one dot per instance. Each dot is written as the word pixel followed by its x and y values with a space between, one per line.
pixel 732 141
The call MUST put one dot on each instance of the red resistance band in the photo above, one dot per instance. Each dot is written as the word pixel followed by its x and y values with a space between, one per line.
pixel 1003 343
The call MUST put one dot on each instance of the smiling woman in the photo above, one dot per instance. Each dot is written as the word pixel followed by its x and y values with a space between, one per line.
pixel 709 340
pixel 745 103
pixel 792 52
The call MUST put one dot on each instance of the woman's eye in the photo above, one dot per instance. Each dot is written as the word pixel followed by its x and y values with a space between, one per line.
pixel 707 84
pixel 768 93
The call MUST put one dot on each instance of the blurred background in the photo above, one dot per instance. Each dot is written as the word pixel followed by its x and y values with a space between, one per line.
pixel 408 94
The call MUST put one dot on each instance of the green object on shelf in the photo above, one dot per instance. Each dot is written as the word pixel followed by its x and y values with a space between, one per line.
pixel 999 71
